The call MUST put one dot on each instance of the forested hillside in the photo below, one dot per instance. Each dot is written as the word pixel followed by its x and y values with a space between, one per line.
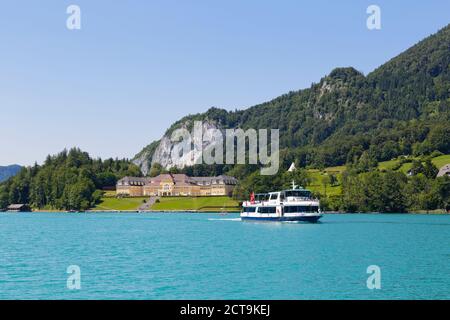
pixel 70 180
pixel 401 108
pixel 400 111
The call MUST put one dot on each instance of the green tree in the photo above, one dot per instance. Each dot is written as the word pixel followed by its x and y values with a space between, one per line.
pixel 67 180
pixel 429 169
pixel 155 170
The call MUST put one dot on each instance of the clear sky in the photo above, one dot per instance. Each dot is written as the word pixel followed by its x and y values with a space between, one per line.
pixel 137 66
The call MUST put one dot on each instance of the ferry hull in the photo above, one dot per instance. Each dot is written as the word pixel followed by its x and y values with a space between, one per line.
pixel 310 219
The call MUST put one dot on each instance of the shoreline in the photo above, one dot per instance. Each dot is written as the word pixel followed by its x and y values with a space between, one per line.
pixel 419 212
pixel 131 211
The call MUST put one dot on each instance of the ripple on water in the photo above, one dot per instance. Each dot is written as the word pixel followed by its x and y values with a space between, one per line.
pixel 207 256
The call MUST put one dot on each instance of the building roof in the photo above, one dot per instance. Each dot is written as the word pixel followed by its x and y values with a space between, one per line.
pixel 445 170
pixel 222 179
pixel 133 179
pixel 16 206
pixel 178 179
pixel 228 179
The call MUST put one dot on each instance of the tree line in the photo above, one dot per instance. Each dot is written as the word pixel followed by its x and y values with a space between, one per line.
pixel 70 180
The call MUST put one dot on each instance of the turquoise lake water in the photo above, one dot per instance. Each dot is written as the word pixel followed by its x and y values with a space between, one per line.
pixel 208 256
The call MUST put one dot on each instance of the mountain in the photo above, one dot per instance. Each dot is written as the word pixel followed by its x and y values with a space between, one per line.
pixel 8 171
pixel 400 108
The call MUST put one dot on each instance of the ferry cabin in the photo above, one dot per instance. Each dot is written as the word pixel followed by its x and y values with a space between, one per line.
pixel 286 204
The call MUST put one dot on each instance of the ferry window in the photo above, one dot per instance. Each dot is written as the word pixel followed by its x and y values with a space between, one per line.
pixel 282 196
pixel 290 209
pixel 298 193
pixel 306 194
pixel 249 209
pixel 267 210
pixel 274 196
pixel 294 209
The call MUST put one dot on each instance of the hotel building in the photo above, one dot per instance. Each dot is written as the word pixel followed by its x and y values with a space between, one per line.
pixel 176 185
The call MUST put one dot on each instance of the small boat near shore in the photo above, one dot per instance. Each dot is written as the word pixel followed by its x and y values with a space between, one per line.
pixel 296 204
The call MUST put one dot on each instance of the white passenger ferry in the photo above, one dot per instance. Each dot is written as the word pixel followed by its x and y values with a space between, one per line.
pixel 296 204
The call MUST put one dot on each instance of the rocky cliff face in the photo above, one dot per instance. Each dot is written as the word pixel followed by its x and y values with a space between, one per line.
pixel 161 151
pixel 143 160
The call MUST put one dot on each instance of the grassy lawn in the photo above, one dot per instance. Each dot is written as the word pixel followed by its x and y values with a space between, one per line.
pixel 330 191
pixel 405 167
pixel 387 165
pixel 196 203
pixel 120 203
pixel 441 161
pixel 317 177
pixel 335 170
pixel 438 162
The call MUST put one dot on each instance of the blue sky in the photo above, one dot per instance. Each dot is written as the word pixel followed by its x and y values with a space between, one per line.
pixel 137 66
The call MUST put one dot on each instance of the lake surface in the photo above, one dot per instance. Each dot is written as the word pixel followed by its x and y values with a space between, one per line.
pixel 207 256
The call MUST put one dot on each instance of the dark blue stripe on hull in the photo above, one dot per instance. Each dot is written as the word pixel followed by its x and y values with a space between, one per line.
pixel 304 219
